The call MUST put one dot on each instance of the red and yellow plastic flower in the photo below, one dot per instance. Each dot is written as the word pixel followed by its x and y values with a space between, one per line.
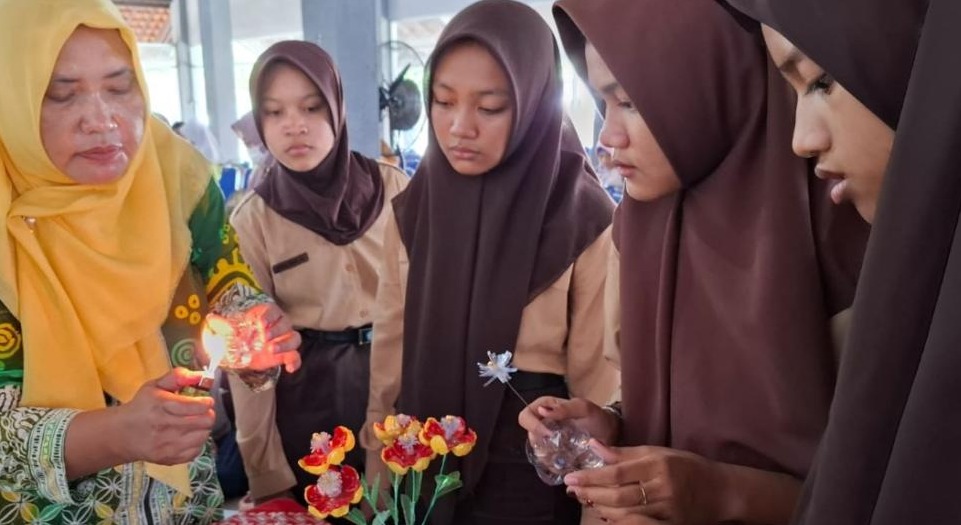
pixel 407 452
pixel 449 434
pixel 395 426
pixel 327 451
pixel 335 491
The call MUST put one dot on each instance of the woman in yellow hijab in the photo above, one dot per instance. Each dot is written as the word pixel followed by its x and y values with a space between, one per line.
pixel 113 247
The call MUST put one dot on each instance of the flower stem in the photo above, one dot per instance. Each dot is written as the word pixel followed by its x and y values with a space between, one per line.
pixel 395 481
pixel 518 394
pixel 433 498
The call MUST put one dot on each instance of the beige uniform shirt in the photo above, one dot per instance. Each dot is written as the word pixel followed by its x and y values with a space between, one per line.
pixel 321 286
pixel 561 332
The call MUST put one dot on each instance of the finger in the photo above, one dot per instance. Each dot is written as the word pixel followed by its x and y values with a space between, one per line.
pixel 609 455
pixel 621 473
pixel 533 424
pixel 627 515
pixel 292 361
pixel 287 342
pixel 279 327
pixel 563 409
pixel 619 496
pixel 177 379
pixel 181 406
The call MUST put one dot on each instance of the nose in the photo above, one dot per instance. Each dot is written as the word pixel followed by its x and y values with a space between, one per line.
pixel 463 125
pixel 98 116
pixel 295 124
pixel 811 135
pixel 613 135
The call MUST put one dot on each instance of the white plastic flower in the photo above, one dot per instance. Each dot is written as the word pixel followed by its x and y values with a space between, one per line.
pixel 498 367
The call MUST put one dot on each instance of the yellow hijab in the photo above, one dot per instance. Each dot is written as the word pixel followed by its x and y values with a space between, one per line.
pixel 88 270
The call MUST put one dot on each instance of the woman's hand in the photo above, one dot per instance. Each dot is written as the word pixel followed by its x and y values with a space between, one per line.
pixel 161 426
pixel 601 424
pixel 641 484
pixel 283 342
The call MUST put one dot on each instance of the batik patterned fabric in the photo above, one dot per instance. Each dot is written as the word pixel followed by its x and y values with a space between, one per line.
pixel 33 482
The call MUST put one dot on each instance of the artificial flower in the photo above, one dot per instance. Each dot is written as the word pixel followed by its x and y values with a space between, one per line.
pixel 327 450
pixel 335 491
pixel 395 426
pixel 449 434
pixel 405 453
pixel 497 367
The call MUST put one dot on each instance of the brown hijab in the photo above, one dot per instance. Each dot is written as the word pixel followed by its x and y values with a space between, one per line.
pixel 726 293
pixel 342 196
pixel 481 248
pixel 890 454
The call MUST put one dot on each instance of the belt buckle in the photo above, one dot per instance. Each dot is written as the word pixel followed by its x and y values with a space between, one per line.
pixel 365 336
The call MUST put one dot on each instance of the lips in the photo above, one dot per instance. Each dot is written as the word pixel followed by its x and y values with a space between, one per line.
pixel 827 174
pixel 298 150
pixel 462 153
pixel 626 170
pixel 102 154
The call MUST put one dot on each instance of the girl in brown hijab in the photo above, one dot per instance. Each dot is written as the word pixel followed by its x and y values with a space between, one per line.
pixel 890 452
pixel 312 231
pixel 500 243
pixel 728 278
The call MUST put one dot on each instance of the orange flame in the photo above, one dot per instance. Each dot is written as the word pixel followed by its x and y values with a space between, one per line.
pixel 216 333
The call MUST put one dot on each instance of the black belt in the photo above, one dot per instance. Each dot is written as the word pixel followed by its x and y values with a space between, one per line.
pixel 361 336
pixel 524 381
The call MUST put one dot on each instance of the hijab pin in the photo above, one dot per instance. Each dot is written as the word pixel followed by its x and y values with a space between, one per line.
pixel 31 222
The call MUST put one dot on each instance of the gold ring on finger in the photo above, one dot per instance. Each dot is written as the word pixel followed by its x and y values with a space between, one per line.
pixel 643 493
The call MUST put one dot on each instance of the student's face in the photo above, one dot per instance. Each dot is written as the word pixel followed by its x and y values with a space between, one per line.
pixel 93 114
pixel 648 175
pixel 851 144
pixel 295 119
pixel 472 109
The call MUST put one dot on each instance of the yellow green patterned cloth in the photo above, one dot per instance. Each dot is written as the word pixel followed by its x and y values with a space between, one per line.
pixel 33 484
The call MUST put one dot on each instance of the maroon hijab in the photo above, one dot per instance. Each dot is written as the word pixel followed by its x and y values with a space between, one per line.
pixel 481 248
pixel 340 198
pixel 726 292
pixel 891 452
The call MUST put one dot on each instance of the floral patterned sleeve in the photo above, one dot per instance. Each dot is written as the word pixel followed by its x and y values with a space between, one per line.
pixel 33 484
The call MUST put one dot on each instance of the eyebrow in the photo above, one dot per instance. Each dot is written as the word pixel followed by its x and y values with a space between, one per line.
pixel 306 97
pixel 61 79
pixel 484 93
pixel 610 88
pixel 790 62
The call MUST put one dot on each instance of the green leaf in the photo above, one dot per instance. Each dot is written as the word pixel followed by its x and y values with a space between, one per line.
pixel 381 518
pixel 371 490
pixel 408 507
pixel 447 483
pixel 356 517
pixel 50 512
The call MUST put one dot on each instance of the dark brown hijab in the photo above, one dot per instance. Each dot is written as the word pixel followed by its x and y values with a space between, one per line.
pixel 341 197
pixel 726 292
pixel 481 248
pixel 891 451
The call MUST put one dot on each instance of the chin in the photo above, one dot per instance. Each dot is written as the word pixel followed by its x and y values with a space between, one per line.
pixel 644 194
pixel 299 165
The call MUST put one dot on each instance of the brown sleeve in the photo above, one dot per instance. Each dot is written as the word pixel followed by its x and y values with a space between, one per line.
pixel 387 346
pixel 259 440
pixel 589 375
